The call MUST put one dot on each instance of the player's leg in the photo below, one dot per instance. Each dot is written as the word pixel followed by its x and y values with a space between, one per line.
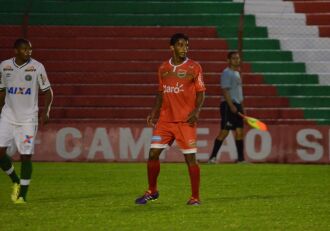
pixel 226 126
pixel 239 141
pixel 7 165
pixel 161 138
pixel 25 137
pixel 6 140
pixel 239 135
pixel 153 168
pixel 26 173
pixel 217 145
pixel 194 174
pixel 186 139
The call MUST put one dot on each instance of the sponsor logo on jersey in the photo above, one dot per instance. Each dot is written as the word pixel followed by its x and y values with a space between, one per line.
pixel 28 139
pixel 30 69
pixel 181 73
pixel 8 68
pixel 176 89
pixel 28 77
pixel 19 91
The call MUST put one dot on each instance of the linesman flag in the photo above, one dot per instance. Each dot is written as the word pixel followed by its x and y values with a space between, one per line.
pixel 254 123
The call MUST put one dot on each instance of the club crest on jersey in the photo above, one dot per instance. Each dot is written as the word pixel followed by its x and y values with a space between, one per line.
pixel 181 73
pixel 170 89
pixel 19 91
pixel 8 68
pixel 28 77
pixel 30 69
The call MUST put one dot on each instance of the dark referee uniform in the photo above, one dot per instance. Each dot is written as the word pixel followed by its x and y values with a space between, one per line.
pixel 231 80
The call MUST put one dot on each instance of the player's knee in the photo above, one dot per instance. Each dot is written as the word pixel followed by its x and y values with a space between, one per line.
pixel 191 159
pixel 239 134
pixel 239 137
pixel 223 134
pixel 26 157
pixel 154 154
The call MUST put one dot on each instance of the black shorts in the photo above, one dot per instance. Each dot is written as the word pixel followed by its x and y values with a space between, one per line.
pixel 229 120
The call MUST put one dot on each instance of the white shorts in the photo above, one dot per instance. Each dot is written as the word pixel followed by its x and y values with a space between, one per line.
pixel 23 136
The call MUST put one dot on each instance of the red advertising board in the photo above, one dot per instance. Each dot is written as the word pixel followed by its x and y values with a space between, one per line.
pixel 130 143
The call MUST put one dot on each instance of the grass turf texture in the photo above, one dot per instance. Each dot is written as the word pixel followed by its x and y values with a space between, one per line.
pixel 97 196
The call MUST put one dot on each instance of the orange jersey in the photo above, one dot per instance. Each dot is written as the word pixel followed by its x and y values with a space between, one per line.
pixel 179 85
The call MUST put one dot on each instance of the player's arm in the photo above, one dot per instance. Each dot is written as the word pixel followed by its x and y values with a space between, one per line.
pixel 47 91
pixel 44 117
pixel 228 99
pixel 225 86
pixel 200 96
pixel 155 110
pixel 159 100
pixel 194 115
pixel 243 110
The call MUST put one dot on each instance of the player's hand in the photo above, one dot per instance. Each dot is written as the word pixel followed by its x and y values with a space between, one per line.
pixel 43 119
pixel 243 111
pixel 233 109
pixel 193 117
pixel 151 119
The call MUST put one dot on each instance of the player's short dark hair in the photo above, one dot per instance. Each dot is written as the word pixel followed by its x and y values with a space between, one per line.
pixel 178 36
pixel 231 53
pixel 20 41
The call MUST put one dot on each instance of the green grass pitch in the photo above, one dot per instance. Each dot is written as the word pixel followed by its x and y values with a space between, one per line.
pixel 100 196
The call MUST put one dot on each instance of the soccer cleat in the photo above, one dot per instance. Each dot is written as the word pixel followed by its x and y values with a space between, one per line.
pixel 193 201
pixel 15 192
pixel 148 196
pixel 212 160
pixel 20 200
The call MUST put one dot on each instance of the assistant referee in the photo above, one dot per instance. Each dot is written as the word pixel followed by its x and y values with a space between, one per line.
pixel 231 105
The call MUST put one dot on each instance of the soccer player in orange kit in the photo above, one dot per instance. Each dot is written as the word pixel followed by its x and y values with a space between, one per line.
pixel 178 103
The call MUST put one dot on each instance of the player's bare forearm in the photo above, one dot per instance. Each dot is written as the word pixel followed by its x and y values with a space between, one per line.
pixel 243 110
pixel 47 105
pixel 200 97
pixel 159 102
pixel 229 100
pixel 194 115
pixel 48 99
pixel 155 110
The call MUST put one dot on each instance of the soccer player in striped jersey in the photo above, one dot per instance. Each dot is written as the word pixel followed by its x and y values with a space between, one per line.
pixel 178 103
pixel 21 78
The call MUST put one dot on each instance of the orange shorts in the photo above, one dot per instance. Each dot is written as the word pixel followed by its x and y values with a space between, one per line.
pixel 165 133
